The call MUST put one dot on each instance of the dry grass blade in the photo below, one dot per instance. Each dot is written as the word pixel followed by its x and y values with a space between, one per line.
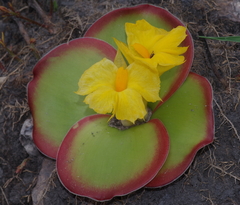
pixel 4 196
pixel 224 172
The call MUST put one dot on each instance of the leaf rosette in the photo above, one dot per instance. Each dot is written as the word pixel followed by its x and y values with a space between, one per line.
pixel 98 161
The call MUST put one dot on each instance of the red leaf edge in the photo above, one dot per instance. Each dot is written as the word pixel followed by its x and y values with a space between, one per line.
pixel 132 186
pixel 39 139
pixel 210 130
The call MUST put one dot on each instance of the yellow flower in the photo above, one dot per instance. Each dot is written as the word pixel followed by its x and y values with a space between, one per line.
pixel 154 47
pixel 122 92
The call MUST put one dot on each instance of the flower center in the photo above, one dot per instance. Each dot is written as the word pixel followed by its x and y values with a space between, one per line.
pixel 121 79
pixel 141 50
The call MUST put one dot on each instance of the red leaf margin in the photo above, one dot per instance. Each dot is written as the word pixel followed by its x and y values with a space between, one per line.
pixel 167 178
pixel 99 194
pixel 43 143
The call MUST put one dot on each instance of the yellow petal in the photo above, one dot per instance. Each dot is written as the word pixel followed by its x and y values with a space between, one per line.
pixel 175 51
pixel 102 100
pixel 151 64
pixel 143 33
pixel 171 41
pixel 153 47
pixel 130 106
pixel 125 51
pixel 165 59
pixel 144 81
pixel 100 74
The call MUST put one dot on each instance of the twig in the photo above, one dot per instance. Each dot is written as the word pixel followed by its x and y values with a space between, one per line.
pixel 13 72
pixel 226 173
pixel 12 12
pixel 22 30
pixel 4 195
pixel 208 198
pixel 229 121
pixel 26 37
pixel 2 42
pixel 49 25
pixel 70 35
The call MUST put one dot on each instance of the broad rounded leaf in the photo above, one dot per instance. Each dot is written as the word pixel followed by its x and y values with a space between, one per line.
pixel 54 105
pixel 188 117
pixel 112 25
pixel 100 162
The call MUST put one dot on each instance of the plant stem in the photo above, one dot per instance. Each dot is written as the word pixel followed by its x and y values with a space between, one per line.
pixel 48 24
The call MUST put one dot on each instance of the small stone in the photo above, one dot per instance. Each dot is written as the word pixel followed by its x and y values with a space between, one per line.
pixel 2 80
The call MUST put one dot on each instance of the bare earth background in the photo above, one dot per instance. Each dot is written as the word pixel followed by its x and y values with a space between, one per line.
pixel 214 176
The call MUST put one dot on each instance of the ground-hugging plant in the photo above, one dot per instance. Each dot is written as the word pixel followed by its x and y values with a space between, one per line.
pixel 153 146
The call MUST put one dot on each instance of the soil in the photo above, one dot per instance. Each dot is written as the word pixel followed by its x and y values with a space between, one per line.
pixel 213 177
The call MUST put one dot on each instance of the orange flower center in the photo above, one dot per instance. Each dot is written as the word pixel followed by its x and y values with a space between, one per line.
pixel 121 79
pixel 141 50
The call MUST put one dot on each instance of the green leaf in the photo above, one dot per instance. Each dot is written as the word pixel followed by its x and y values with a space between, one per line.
pixel 54 105
pixel 113 25
pixel 55 5
pixel 100 162
pixel 227 38
pixel 188 117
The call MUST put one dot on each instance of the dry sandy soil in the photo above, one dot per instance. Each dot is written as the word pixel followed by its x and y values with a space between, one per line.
pixel 214 176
